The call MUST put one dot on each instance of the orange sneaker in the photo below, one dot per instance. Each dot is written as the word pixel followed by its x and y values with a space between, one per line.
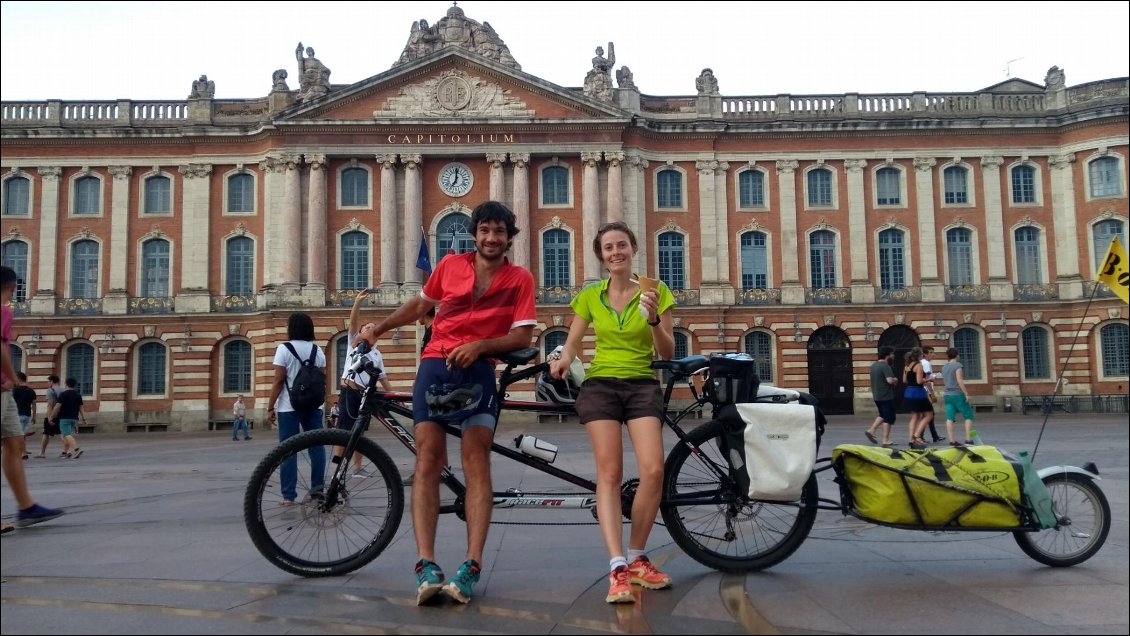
pixel 644 573
pixel 620 586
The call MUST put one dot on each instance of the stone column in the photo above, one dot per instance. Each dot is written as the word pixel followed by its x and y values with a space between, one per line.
pixel 314 291
pixel 389 234
pixel 520 253
pixel 292 223
pixel 615 186
pixel 194 295
pixel 1065 227
pixel 497 161
pixel 708 225
pixel 43 302
pixel 1000 288
pixel 634 209
pixel 724 290
pixel 862 288
pixel 116 300
pixel 413 219
pixel 282 229
pixel 792 291
pixel 590 213
pixel 927 247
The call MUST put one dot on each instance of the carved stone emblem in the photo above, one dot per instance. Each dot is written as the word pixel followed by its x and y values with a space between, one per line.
pixel 829 319
pixel 558 320
pixel 233 328
pixel 1037 316
pixel 967 317
pixel 1114 313
pixel 900 319
pixel 150 331
pixel 759 321
pixel 453 92
pixel 76 332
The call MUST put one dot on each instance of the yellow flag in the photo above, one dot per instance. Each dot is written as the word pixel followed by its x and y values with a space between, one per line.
pixel 1115 270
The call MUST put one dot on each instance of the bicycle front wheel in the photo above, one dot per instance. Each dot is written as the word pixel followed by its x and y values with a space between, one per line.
pixel 717 525
pixel 299 529
pixel 1084 522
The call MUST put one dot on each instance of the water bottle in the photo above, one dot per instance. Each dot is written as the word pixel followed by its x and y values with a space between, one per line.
pixel 975 438
pixel 537 448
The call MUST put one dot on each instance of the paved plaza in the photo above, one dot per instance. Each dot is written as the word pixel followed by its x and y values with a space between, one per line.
pixel 153 542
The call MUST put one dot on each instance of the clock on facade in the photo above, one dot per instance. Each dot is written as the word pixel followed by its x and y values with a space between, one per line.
pixel 456 179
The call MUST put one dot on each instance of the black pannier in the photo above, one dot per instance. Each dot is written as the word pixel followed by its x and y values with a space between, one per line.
pixel 732 379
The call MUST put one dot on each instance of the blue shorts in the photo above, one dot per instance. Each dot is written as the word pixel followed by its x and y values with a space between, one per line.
pixel 435 371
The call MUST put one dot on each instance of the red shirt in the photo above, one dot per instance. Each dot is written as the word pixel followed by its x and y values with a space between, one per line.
pixel 509 303
pixel 6 330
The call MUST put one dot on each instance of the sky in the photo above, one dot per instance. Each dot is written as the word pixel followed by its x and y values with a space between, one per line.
pixel 154 50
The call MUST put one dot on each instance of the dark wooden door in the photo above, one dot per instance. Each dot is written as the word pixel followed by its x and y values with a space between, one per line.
pixel 830 371
pixel 902 339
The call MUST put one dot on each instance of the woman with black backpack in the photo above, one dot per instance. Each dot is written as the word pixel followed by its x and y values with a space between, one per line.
pixel 298 396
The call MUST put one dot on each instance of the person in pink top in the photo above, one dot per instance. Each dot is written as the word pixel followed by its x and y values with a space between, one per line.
pixel 484 306
pixel 30 513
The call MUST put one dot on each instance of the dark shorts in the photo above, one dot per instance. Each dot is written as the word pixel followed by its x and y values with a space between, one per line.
pixel 918 405
pixel 50 427
pixel 348 407
pixel 619 400
pixel 435 371
pixel 886 410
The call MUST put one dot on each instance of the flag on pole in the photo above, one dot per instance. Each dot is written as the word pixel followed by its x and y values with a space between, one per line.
pixel 1115 270
pixel 424 259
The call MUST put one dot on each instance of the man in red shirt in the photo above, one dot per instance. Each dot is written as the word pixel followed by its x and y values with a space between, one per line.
pixel 485 306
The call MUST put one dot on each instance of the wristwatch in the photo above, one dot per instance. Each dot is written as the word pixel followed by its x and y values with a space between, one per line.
pixel 653 324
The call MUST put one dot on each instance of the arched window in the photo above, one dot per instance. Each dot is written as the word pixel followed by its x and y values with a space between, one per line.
pixel 959 251
pixel 88 198
pixel 1028 269
pixel 759 346
pixel 670 189
pixel 1105 181
pixel 354 260
pixel 955 179
pixel 341 350
pixel 454 231
pixel 151 369
pixel 1114 340
pixel 551 340
pixel 555 255
pixel 241 194
pixel 555 186
pixel 155 268
pixel 17 196
pixel 1023 184
pixel 240 266
pixel 968 344
pixel 822 259
pixel 751 189
pixel 15 256
pixel 887 186
pixel 158 195
pixel 755 261
pixel 354 187
pixel 672 266
pixel 1037 362
pixel 820 188
pixel 237 367
pixel 80 366
pixel 84 269
pixel 892 260
pixel 1104 232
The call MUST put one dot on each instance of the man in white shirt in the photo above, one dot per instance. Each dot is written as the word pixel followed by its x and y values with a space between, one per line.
pixel 928 371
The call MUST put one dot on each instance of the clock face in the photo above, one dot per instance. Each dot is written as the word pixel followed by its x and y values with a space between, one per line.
pixel 456 179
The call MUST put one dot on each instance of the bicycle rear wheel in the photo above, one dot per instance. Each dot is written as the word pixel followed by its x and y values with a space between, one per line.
pixel 314 536
pixel 722 528
pixel 1084 522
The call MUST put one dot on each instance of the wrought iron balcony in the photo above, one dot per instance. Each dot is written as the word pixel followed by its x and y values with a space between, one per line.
pixel 19 307
pixel 78 306
pixel 151 305
pixel 234 304
pixel 900 295
pixel 827 295
pixel 759 296
pixel 1100 290
pixel 686 296
pixel 1049 291
pixel 345 298
pixel 555 295
pixel 967 293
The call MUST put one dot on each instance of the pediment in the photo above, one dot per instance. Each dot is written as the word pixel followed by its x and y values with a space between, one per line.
pixel 451 84
pixel 1014 85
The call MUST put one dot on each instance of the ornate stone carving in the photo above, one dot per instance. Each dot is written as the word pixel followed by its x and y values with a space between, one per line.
pixel 49 173
pixel 900 319
pixel 671 225
pixel 924 164
pixel 454 207
pixel 753 226
pixel 706 83
pixel 458 31
pixel 637 162
pixel 13 233
pixel 202 88
pixel 822 224
pixel 83 234
pixel 1037 316
pixel 598 81
pixel 556 224
pixel 829 320
pixel 614 158
pixel 677 321
pixel 991 162
pixel 625 80
pixel 120 173
pixel 387 160
pixel 591 157
pixel 76 332
pixel 195 170
pixel 1055 79
pixel 1060 162
pixel 154 232
pixel 787 166
pixel 454 92
pixel 759 321
pixel 959 222
pixel 1106 213
pixel 496 159
pixel 233 329
pixel 240 230
pixel 854 166
pixel 1114 313
pixel 354 224
pixel 706 168
pixel 278 81
pixel 317 161
pixel 558 320
pixel 967 318
pixel 150 331
pixel 412 161
pixel 519 159
pixel 313 76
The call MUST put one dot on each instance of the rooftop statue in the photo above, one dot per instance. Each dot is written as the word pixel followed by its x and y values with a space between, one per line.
pixel 203 88
pixel 456 30
pixel 313 76
pixel 598 82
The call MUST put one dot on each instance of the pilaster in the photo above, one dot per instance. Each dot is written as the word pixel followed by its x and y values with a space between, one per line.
pixel 792 292
pixel 1066 227
pixel 932 288
pixel 1000 288
pixel 521 206
pixel 194 294
pixel 116 300
pixel 43 302
pixel 590 213
pixel 634 215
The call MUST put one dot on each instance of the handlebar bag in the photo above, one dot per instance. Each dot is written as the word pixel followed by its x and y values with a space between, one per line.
pixel 970 487
pixel 771 447
pixel 732 379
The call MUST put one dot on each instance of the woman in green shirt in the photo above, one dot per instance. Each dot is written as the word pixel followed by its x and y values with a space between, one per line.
pixel 620 388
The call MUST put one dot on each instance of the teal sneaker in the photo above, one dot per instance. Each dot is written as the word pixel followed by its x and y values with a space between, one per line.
pixel 459 587
pixel 429 581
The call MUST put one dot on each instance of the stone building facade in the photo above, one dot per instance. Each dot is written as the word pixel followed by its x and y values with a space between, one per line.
pixel 162 245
